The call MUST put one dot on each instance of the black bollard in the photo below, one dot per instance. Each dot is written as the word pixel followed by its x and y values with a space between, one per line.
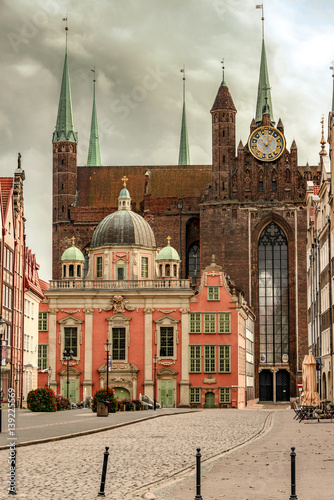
pixel 198 475
pixel 104 472
pixel 293 495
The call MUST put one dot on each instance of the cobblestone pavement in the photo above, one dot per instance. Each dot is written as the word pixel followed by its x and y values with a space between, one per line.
pixel 141 455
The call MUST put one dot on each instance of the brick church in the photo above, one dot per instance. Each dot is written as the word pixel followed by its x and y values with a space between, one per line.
pixel 247 209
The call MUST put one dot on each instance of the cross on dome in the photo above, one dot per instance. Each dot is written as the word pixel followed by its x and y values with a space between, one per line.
pixel 168 239
pixel 124 179
pixel 73 240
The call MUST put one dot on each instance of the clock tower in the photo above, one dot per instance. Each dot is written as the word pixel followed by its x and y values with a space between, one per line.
pixel 253 217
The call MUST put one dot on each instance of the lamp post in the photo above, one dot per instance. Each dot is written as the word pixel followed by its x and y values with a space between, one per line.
pixel 155 360
pixel 49 376
pixel 107 345
pixel 2 329
pixel 67 356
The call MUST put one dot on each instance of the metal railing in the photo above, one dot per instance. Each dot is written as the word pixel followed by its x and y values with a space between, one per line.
pixel 120 284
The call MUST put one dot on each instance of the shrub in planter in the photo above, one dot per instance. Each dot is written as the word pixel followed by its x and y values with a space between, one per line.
pixel 137 404
pixel 63 403
pixel 101 395
pixel 42 399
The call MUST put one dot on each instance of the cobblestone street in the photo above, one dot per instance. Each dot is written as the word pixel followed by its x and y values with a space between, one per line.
pixel 140 454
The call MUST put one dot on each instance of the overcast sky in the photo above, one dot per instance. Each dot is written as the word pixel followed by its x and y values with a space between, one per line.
pixel 138 48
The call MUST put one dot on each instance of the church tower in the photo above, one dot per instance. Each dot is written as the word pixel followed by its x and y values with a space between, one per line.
pixel 64 162
pixel 223 140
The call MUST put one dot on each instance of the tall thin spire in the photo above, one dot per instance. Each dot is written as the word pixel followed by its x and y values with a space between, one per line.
pixel 94 158
pixel 184 157
pixel 64 130
pixel 263 92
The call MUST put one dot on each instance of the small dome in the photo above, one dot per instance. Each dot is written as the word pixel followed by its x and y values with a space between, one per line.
pixel 123 227
pixel 124 193
pixel 168 253
pixel 73 253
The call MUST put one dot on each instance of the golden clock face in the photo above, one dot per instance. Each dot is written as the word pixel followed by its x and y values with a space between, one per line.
pixel 266 143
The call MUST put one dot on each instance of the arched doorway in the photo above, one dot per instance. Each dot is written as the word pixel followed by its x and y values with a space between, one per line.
pixel 266 392
pixel 121 393
pixel 282 385
pixel 193 248
pixel 209 400
pixel 324 387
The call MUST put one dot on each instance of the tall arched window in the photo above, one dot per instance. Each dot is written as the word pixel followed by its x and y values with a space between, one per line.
pixel 194 260
pixel 273 295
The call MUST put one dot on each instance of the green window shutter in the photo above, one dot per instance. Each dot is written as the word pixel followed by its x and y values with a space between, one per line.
pixel 224 394
pixel 224 322
pixel 195 358
pixel 210 358
pixel 43 321
pixel 213 292
pixel 42 357
pixel 118 344
pixel 71 339
pixel 209 322
pixel 195 394
pixel 224 358
pixel 195 322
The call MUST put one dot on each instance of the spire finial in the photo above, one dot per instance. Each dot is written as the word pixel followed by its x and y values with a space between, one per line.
pixel 323 151
pixel 73 240
pixel 124 179
pixel 66 28
pixel 260 6
pixel 223 71
pixel 168 239
pixel 184 158
pixel 183 70
pixel 19 160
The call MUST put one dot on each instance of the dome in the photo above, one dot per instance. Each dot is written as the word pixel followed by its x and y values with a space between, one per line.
pixel 168 253
pixel 124 193
pixel 123 227
pixel 73 253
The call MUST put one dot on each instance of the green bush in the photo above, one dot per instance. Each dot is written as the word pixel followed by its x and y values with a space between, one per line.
pixel 63 403
pixel 101 395
pixel 42 399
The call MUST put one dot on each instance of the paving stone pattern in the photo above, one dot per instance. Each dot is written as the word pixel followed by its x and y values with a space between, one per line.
pixel 140 454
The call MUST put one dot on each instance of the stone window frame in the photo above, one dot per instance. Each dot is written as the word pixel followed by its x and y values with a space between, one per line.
pixel 119 321
pixel 119 266
pixel 194 394
pixel 70 322
pixel 167 321
pixel 42 317
pixel 195 358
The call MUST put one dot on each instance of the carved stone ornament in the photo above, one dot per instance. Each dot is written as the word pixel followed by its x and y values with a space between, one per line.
pixel 166 311
pixel 70 363
pixel 209 380
pixel 118 303
pixel 167 363
pixel 184 310
pixel 53 311
pixel 70 311
pixel 148 310
pixel 88 311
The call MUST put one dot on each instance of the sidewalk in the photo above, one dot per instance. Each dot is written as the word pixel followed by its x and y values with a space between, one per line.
pixel 33 427
pixel 262 469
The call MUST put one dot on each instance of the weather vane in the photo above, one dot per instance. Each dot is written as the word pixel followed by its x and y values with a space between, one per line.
pixel 223 68
pixel 93 70
pixel 183 70
pixel 260 6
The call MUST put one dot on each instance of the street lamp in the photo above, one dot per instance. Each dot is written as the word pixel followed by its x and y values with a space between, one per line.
pixel 2 329
pixel 107 345
pixel 67 356
pixel 49 376
pixel 155 360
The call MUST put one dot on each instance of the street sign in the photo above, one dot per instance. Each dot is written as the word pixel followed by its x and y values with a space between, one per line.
pixel 300 385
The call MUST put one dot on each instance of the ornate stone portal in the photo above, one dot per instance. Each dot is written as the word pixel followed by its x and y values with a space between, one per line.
pixel 121 375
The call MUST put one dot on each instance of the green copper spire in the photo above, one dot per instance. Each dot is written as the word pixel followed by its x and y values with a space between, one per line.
pixel 184 157
pixel 94 158
pixel 65 128
pixel 263 93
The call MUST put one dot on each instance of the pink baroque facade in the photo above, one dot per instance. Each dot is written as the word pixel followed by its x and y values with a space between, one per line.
pixel 126 291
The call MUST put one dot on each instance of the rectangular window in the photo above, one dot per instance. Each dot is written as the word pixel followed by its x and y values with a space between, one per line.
pixel 210 358
pixel 260 186
pixel 42 357
pixel 144 267
pixel 195 358
pixel 213 292
pixel 209 322
pixel 195 394
pixel 224 394
pixel 167 341
pixel 195 322
pixel 120 273
pixel 43 321
pixel 118 344
pixel 224 322
pixel 99 267
pixel 224 358
pixel 71 339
